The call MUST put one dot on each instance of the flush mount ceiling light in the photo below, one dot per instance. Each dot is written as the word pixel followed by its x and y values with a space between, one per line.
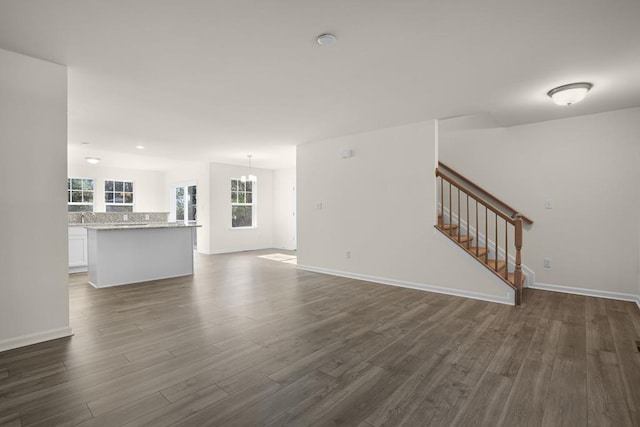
pixel 569 94
pixel 251 177
pixel 140 147
pixel 326 39
pixel 92 160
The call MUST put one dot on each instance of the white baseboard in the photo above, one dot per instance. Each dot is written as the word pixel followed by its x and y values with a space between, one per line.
pixel 203 252
pixel 82 269
pixel 230 251
pixel 508 300
pixel 138 281
pixel 35 338
pixel 587 292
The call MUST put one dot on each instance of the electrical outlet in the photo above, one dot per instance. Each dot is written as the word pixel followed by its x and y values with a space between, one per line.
pixel 125 217
pixel 548 204
pixel 146 217
pixel 546 262
pixel 347 255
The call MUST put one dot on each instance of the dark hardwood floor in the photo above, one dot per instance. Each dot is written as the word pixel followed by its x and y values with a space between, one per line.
pixel 248 341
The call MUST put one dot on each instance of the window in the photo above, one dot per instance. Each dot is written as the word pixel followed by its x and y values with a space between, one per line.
pixel 186 205
pixel 79 195
pixel 243 196
pixel 118 196
pixel 179 203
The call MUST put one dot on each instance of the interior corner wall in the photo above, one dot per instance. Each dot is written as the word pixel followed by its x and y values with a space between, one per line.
pixel 34 293
pixel 284 209
pixel 588 167
pixel 225 239
pixel 149 192
pixel 198 173
pixel 379 206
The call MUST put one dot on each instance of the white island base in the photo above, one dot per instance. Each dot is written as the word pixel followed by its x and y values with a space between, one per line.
pixel 122 255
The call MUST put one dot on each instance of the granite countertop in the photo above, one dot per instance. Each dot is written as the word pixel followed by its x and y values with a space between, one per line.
pixel 130 226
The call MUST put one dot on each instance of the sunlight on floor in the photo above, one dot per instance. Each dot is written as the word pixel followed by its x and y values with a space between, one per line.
pixel 289 259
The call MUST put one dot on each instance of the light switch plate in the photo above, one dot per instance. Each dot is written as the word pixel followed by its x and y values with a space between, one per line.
pixel 548 204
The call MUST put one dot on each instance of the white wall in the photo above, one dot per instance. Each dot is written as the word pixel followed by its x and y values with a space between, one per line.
pixel 588 166
pixel 284 207
pixel 379 205
pixel 197 173
pixel 225 239
pixel 34 296
pixel 148 186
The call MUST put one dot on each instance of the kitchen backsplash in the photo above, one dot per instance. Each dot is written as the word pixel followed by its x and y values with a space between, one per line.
pixel 117 217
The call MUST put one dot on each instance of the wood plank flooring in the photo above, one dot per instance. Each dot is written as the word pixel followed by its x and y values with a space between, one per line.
pixel 248 341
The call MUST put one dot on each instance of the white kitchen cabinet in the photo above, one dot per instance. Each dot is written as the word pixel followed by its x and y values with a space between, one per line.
pixel 120 255
pixel 77 249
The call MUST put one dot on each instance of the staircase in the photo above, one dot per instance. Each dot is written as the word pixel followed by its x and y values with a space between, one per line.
pixel 488 229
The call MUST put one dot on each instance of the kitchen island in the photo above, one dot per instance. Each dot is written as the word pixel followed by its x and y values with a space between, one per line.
pixel 129 253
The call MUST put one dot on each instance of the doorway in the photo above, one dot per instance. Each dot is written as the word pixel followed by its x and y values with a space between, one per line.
pixel 184 206
pixel 186 203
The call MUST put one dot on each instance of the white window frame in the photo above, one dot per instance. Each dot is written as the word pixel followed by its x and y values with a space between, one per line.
pixel 253 204
pixel 123 203
pixel 173 211
pixel 83 203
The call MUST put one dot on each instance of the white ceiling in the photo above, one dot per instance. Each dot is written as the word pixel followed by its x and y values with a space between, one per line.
pixel 216 80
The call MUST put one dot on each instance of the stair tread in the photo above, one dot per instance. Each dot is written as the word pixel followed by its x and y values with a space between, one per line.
pixel 492 263
pixel 462 238
pixel 448 226
pixel 478 251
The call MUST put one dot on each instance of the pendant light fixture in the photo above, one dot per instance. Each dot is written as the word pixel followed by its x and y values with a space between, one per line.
pixel 569 94
pixel 251 177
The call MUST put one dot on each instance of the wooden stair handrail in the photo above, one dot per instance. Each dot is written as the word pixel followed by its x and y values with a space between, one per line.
pixel 517 272
pixel 480 193
pixel 490 203
pixel 479 199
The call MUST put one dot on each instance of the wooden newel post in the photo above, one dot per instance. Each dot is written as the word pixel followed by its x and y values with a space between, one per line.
pixel 518 268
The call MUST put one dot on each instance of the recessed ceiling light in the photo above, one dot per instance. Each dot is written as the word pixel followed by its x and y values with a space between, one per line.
pixel 326 39
pixel 569 94
pixel 140 147
pixel 92 160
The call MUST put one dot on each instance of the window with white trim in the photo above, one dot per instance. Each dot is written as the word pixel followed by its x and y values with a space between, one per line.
pixel 118 196
pixel 243 203
pixel 79 195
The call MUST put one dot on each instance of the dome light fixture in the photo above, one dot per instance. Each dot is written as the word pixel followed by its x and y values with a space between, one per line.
pixel 92 160
pixel 326 39
pixel 569 94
